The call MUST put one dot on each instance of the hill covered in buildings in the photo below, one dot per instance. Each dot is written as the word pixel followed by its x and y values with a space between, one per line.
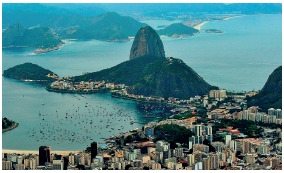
pixel 28 71
pixel 151 73
pixel 271 94
pixel 39 37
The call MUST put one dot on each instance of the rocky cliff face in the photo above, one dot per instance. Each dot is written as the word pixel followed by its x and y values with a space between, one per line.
pixel 271 94
pixel 147 42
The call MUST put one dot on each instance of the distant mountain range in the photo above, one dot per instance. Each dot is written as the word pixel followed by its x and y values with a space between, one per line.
pixel 271 94
pixel 162 9
pixel 79 14
pixel 39 37
pixel 108 26
pixel 92 21
pixel 34 14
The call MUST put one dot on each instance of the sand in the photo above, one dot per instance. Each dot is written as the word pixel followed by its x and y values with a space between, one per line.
pixel 64 153
pixel 233 17
pixel 199 25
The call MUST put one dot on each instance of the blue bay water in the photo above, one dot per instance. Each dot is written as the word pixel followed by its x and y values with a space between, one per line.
pixel 241 58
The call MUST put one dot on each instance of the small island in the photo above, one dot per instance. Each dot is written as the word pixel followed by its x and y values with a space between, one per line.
pixel 213 31
pixel 177 30
pixel 8 125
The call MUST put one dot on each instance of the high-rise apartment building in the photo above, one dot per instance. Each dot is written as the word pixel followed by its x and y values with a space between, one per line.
pixel 44 155
pixel 93 151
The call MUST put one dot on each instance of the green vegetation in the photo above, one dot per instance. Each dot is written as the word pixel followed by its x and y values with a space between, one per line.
pixel 8 125
pixel 266 100
pixel 28 71
pixel 39 37
pixel 173 133
pixel 134 137
pixel 213 31
pixel 170 78
pixel 177 29
pixel 183 116
pixel 151 75
pixel 271 94
pixel 245 126
pixel 126 72
pixel 235 93
pixel 109 26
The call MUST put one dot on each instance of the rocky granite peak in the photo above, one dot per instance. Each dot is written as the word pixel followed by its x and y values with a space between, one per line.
pixel 147 42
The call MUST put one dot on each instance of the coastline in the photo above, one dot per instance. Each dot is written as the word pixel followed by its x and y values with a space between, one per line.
pixel 234 17
pixel 77 92
pixel 227 18
pixel 11 128
pixel 41 51
pixel 64 153
pixel 199 25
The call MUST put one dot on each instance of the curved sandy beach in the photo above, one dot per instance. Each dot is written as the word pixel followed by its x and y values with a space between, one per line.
pixel 199 25
pixel 202 23
pixel 64 153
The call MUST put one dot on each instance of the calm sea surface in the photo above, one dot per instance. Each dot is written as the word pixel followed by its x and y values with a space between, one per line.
pixel 240 59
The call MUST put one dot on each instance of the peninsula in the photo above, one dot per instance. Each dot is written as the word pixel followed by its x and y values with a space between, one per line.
pixel 29 72
pixel 8 125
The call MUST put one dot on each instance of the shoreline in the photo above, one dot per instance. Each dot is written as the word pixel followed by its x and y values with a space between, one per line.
pixel 133 99
pixel 41 51
pixel 64 153
pixel 10 128
pixel 77 92
pixel 199 25
pixel 234 17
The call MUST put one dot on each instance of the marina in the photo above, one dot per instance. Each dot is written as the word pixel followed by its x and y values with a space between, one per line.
pixel 81 118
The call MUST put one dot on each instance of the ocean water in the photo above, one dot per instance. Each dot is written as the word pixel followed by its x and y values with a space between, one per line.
pixel 240 59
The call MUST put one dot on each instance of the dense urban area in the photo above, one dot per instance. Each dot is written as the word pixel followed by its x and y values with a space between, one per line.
pixel 202 127
pixel 213 132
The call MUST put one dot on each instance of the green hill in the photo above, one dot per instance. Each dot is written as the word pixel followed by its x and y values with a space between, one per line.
pixel 271 94
pixel 39 37
pixel 177 29
pixel 170 78
pixel 126 72
pixel 151 75
pixel 109 26
pixel 28 71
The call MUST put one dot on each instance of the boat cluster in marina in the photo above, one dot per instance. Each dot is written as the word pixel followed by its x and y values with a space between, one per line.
pixel 85 121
